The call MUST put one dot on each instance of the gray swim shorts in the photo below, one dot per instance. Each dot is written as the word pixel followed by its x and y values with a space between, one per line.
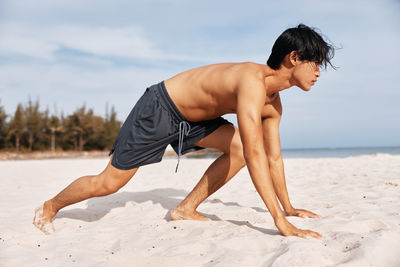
pixel 153 124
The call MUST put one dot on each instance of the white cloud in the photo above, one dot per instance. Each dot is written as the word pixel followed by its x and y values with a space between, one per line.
pixel 43 43
pixel 15 41
pixel 104 41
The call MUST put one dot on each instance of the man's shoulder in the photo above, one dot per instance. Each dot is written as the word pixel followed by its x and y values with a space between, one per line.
pixel 252 68
pixel 250 72
pixel 251 75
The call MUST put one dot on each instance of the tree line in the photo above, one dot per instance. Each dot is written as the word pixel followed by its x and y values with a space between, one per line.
pixel 32 129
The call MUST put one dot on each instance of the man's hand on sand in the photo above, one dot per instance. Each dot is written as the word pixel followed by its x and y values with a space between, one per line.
pixel 43 219
pixel 288 229
pixel 302 213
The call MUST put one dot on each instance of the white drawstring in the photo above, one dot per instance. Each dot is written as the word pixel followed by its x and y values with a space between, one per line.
pixel 184 129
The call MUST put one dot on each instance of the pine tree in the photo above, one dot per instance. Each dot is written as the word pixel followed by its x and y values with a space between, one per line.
pixel 111 128
pixel 43 139
pixel 95 133
pixel 55 127
pixel 17 126
pixel 33 122
pixel 80 126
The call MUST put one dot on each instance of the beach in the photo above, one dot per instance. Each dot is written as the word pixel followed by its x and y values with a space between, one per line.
pixel 358 197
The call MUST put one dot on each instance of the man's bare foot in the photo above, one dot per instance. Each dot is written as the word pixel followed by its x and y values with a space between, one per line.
pixel 44 217
pixel 180 214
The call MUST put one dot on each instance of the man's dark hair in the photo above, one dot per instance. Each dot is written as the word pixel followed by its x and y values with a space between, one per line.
pixel 308 44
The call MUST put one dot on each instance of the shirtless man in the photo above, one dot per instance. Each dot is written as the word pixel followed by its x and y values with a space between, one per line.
pixel 185 111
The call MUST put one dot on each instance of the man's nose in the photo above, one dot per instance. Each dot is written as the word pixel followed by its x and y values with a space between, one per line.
pixel 317 73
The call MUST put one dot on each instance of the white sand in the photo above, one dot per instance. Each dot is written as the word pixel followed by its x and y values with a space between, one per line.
pixel 359 198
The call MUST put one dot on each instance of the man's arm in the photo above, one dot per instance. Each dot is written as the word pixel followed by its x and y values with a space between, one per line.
pixel 249 105
pixel 270 124
pixel 251 99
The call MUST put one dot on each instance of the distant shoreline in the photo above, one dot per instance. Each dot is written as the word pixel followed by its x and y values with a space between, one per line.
pixel 342 152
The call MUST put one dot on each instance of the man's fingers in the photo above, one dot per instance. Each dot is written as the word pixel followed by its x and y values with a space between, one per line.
pixel 300 234
pixel 304 214
pixel 307 233
pixel 314 234
pixel 313 215
pixel 317 235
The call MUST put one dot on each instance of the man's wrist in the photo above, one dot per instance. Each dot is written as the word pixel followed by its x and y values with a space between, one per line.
pixel 279 218
pixel 288 210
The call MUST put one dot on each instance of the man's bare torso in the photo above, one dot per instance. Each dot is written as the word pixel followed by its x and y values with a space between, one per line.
pixel 211 91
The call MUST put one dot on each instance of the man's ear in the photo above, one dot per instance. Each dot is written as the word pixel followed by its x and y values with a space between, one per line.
pixel 293 58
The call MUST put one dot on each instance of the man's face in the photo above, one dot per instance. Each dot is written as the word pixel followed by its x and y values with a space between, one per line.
pixel 306 74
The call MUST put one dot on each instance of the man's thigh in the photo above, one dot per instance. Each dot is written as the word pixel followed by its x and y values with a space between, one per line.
pixel 225 138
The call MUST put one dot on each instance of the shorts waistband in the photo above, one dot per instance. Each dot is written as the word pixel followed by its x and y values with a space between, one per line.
pixel 162 93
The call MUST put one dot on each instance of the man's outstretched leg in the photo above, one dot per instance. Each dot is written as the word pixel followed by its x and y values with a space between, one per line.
pixel 107 182
pixel 226 139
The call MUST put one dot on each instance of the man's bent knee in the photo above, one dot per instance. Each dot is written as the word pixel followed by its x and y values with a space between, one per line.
pixel 111 185
pixel 111 180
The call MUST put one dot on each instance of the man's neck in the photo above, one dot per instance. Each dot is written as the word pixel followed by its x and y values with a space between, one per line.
pixel 278 80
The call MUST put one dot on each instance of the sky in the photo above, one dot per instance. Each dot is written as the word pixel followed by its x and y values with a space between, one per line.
pixel 105 53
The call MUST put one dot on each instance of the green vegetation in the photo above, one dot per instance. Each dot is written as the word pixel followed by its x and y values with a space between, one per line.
pixel 31 129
